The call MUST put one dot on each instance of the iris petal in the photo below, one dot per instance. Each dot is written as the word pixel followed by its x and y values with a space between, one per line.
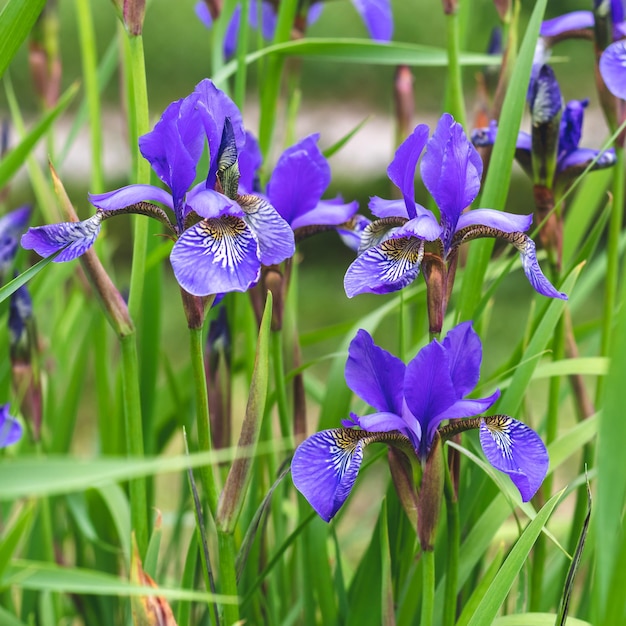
pixel 375 375
pixel 500 220
pixel 613 68
pixel 576 20
pixel 465 354
pixel 388 267
pixel 299 179
pixel 216 256
pixel 324 469
pixel 275 237
pixel 377 17
pixel 327 213
pixel 515 449
pixel 401 170
pixel 451 170
pixel 10 428
pixel 533 272
pixel 77 236
pixel 131 194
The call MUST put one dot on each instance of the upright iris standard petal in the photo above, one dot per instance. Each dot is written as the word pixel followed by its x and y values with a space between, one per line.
pixel 613 68
pixel 451 170
pixel 401 170
pixel 299 179
pixel 174 146
pixel 274 235
pixel 216 255
pixel 324 468
pixel 572 125
pixel 75 237
pixel 515 449
pixel 10 428
pixel 374 374
pixel 465 354
pixel 533 272
pixel 388 267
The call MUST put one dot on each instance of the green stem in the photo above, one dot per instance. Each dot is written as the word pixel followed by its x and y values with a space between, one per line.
pixel 134 436
pixel 87 35
pixel 138 110
pixel 428 587
pixel 612 267
pixel 228 575
pixel 454 97
pixel 454 541
pixel 196 345
pixel 286 430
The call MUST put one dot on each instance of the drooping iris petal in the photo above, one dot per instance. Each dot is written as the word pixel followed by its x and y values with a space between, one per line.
pixel 275 237
pixel 468 407
pixel 576 162
pixel 381 207
pixel 401 170
pixel 423 226
pixel 576 20
pixel 613 68
pixel 324 468
pixel 515 449
pixel 500 220
pixel 131 194
pixel 10 428
pixel 351 232
pixel 174 146
pixel 77 236
pixel 465 354
pixel 388 267
pixel 429 390
pixel 299 179
pixel 383 422
pixel 215 256
pixel 451 170
pixel 374 374
pixel 327 212
pixel 533 272
pixel 13 223
pixel 377 17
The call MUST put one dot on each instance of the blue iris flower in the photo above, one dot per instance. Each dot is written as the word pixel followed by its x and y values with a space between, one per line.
pixel 411 401
pixel 222 237
pixel 393 247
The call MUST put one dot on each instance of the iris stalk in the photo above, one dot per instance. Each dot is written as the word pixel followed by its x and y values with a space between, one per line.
pixel 454 542
pixel 455 103
pixel 428 587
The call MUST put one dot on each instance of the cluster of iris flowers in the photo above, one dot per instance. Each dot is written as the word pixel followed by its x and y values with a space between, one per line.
pixel 225 228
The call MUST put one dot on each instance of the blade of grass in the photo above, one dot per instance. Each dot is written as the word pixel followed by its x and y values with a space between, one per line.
pixel 16 20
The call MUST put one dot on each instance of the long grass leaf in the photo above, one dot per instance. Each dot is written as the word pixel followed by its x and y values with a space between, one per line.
pixel 16 20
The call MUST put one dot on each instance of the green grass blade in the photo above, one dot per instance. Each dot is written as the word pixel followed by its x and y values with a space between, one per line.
pixel 489 606
pixel 535 619
pixel 16 20
pixel 12 286
pixel 496 185
pixel 13 533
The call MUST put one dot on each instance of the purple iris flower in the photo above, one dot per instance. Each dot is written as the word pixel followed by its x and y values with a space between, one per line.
pixel 406 233
pixel 613 68
pixel 411 402
pixel 571 159
pixel 10 429
pixel 296 186
pixel 222 237
pixel 376 14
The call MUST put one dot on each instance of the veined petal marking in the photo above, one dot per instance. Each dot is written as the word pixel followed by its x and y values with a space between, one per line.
pixel 499 427
pixel 400 255
pixel 225 239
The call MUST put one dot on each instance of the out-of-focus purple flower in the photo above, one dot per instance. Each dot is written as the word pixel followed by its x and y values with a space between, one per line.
pixel 10 429
pixel 394 246
pixel 376 14
pixel 296 186
pixel 571 159
pixel 222 237
pixel 12 225
pixel 613 68
pixel 411 402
